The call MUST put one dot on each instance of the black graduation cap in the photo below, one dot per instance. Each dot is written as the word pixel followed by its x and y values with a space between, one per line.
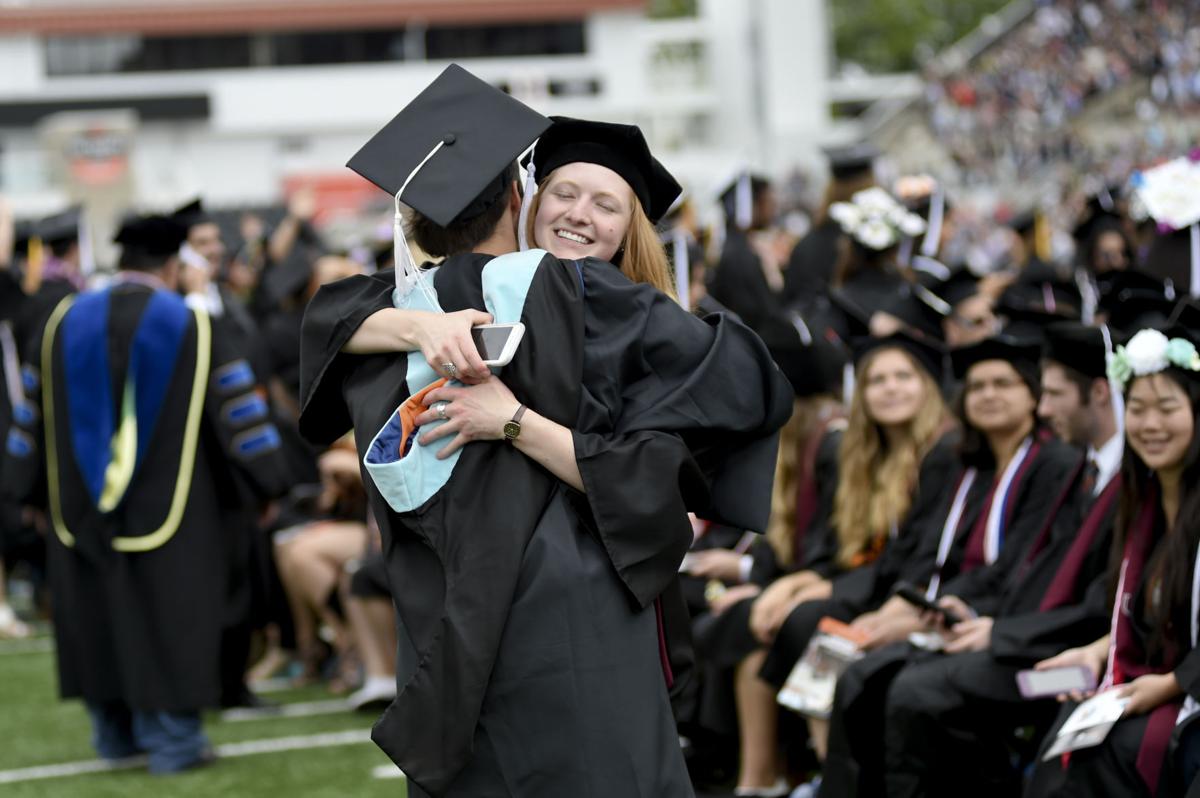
pixel 480 130
pixel 960 286
pixel 1114 282
pixel 621 148
pixel 813 367
pixel 1023 355
pixel 850 161
pixel 1131 310
pixel 920 309
pixel 737 198
pixel 61 227
pixel 929 353
pixel 1076 346
pixel 1030 306
pixel 1023 221
pixel 155 236
pixel 192 213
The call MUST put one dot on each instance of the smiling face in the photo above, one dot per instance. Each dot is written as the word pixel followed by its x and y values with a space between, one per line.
pixel 1159 421
pixel 893 390
pixel 996 399
pixel 583 211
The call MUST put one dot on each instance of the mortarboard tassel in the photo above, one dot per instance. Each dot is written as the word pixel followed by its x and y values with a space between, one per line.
pixel 937 214
pixel 1195 233
pixel 679 257
pixel 407 274
pixel 743 201
pixel 87 258
pixel 1118 399
pixel 527 201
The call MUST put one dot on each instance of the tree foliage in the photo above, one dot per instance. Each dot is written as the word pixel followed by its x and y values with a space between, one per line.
pixel 897 35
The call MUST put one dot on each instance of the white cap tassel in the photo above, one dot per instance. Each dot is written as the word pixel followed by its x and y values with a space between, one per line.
pixel 527 201
pixel 408 275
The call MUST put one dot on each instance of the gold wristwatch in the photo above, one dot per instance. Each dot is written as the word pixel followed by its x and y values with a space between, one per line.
pixel 512 429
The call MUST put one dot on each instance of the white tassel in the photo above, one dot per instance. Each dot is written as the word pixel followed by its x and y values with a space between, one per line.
pixel 743 202
pixel 408 275
pixel 679 257
pixel 527 201
pixel 933 234
pixel 1118 399
pixel 1195 232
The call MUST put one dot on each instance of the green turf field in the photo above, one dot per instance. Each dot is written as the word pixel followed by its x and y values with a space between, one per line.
pixel 36 729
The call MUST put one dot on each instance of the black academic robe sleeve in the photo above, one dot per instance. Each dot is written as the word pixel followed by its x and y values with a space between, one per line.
pixel 1034 636
pixel 331 319
pixel 739 284
pixel 982 588
pixel 238 411
pixel 713 383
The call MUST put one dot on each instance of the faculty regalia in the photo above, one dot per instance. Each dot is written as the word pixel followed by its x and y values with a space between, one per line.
pixel 153 428
pixel 511 679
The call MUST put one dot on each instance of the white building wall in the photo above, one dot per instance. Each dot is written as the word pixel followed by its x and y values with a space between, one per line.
pixel 703 116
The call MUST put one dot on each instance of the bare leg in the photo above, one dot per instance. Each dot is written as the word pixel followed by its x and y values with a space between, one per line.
pixel 374 633
pixel 758 721
pixel 818 733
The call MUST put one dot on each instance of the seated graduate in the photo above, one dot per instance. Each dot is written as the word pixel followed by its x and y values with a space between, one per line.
pixel 1149 654
pixel 1009 476
pixel 893 461
pixel 950 720
pixel 527 566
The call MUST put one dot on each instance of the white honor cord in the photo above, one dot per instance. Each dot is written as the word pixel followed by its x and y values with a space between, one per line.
pixel 933 233
pixel 679 256
pixel 1118 600
pixel 994 531
pixel 949 530
pixel 527 201
pixel 407 273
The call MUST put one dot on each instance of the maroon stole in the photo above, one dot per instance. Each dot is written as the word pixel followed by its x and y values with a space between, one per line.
pixel 975 556
pixel 1127 660
pixel 1063 589
pixel 806 485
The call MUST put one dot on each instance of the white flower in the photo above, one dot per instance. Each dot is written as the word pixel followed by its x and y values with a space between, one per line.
pixel 875 234
pixel 847 215
pixel 874 201
pixel 1146 353
pixel 1171 193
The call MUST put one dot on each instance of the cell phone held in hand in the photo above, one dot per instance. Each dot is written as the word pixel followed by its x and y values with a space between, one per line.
pixel 497 343
pixel 917 599
pixel 1055 681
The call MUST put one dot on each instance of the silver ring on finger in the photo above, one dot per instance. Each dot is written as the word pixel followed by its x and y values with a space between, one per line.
pixel 440 409
pixel 450 369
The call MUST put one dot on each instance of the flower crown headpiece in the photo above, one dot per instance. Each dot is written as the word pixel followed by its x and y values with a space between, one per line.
pixel 1150 352
pixel 875 219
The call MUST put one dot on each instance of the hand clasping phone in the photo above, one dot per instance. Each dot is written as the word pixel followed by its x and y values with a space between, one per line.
pixel 1055 681
pixel 497 343
pixel 918 600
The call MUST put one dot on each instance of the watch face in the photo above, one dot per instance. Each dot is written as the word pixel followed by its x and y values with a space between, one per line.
pixel 512 429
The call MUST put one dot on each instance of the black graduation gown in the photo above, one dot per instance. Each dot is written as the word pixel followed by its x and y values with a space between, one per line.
pixel 143 590
pixel 812 263
pixel 510 681
pixel 739 284
pixel 854 765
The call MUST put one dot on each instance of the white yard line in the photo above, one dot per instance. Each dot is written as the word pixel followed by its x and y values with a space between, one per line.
pixel 298 710
pixel 228 751
pixel 37 645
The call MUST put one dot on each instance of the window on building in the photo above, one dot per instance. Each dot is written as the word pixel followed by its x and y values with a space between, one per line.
pixel 107 54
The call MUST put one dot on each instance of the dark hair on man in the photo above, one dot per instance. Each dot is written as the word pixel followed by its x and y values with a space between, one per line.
pixel 136 259
pixel 1081 381
pixel 62 247
pixel 462 236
